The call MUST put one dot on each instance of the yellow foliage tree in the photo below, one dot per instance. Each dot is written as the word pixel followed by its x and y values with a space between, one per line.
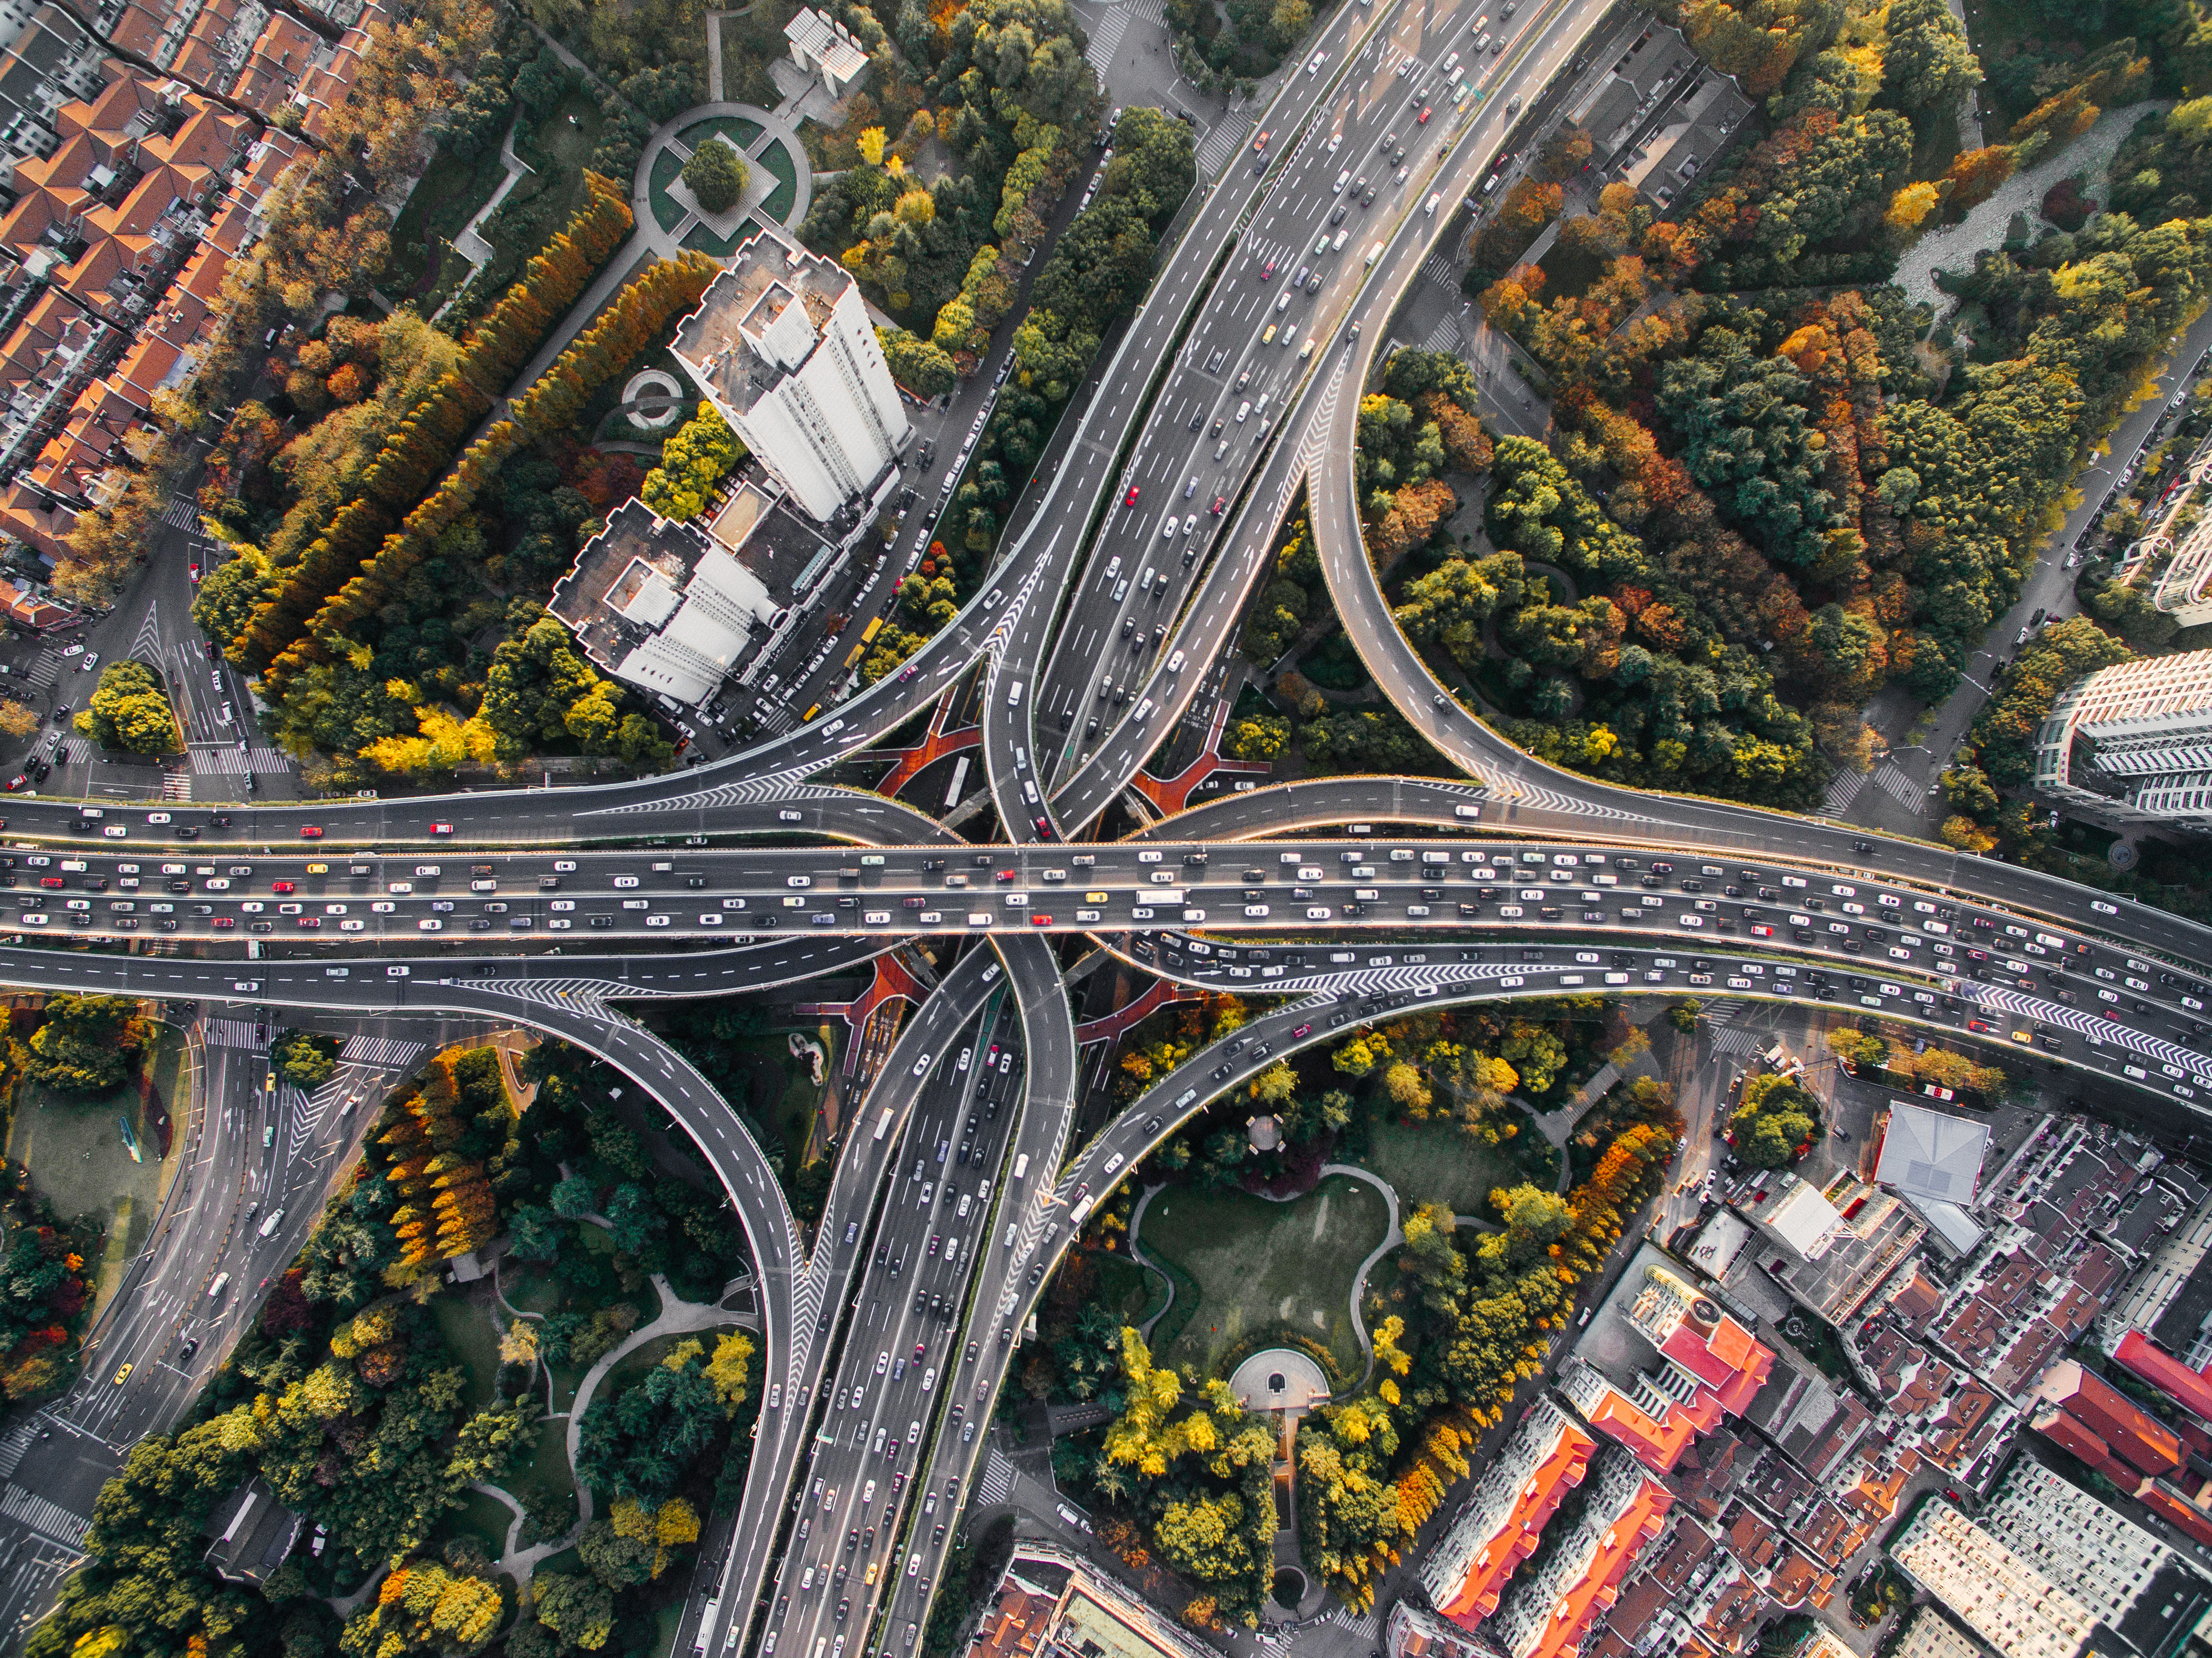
pixel 1910 205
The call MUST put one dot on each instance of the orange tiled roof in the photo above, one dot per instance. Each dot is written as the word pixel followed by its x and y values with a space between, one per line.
pixel 1588 1598
pixel 1562 1468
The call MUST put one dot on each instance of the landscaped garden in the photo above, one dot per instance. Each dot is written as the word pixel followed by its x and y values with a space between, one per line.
pixel 1261 1263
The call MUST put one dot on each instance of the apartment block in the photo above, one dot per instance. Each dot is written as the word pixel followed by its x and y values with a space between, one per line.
pixel 2133 742
pixel 1550 1614
pixel 1500 1524
pixel 1997 1594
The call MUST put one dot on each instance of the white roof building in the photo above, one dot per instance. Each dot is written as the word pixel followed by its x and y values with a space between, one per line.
pixel 821 46
pixel 2134 742
pixel 782 345
pixel 1931 1154
pixel 1995 1593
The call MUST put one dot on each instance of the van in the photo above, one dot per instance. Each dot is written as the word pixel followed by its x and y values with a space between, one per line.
pixel 269 1226
pixel 1014 694
pixel 1021 1165
pixel 1374 253
pixel 221 1283
pixel 1428 208
pixel 1342 180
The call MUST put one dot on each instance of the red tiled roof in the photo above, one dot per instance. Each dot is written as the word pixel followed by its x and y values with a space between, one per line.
pixel 1561 1469
pixel 2141 1356
pixel 1658 1446
pixel 1589 1595
pixel 2133 1433
pixel 2161 1501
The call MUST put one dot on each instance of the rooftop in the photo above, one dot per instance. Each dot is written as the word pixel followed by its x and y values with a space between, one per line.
pixel 760 320
pixel 1930 1154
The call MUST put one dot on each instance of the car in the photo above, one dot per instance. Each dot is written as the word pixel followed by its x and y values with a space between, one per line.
pixel 284 886
pixel 157 817
pixel 1130 500
pixel 115 831
pixel 16 782
pixel 310 832
pixel 88 662
pixel 1268 269
pixel 123 1376
pixel 1427 110
pixel 73 650
pixel 442 829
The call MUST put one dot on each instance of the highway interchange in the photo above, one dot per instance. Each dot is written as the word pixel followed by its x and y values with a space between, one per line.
pixel 891 1330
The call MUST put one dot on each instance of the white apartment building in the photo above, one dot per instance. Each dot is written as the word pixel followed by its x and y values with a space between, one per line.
pixel 1466 1571
pixel 2130 1582
pixel 782 346
pixel 1929 1635
pixel 1996 1594
pixel 2134 742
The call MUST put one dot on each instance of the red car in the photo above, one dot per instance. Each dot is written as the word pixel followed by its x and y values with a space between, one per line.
pixel 309 832
pixel 1006 875
pixel 1130 500
pixel 1219 502
pixel 1266 270
pixel 308 921
pixel 442 829
pixel 16 782
pixel 224 921
pixel 1427 110
pixel 1040 921
pixel 284 886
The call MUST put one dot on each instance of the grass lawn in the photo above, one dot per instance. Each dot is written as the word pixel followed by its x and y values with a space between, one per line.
pixel 468 1331
pixel 791 1114
pixel 453 191
pixel 1129 1291
pixel 1432 1163
pixel 777 160
pixel 741 131
pixel 667 210
pixel 484 1518
pixel 79 1155
pixel 701 239
pixel 1258 1262
pixel 531 1289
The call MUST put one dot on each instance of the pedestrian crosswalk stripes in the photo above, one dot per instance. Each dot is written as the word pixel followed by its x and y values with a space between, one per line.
pixel 182 513
pixel 998 1479
pixel 1842 791
pixel 1444 337
pixel 44 672
pixel 17 1442
pixel 1718 1013
pixel 380 1052
pixel 1745 1042
pixel 1439 269
pixel 50 1519
pixel 230 762
pixel 177 786
pixel 1106 40
pixel 230 1032
pixel 1220 145
pixel 1893 782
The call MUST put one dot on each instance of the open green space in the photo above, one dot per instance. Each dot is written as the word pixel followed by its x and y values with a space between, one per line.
pixel 632 1366
pixel 451 192
pixel 667 211
pixel 787 1109
pixel 777 160
pixel 546 1477
pixel 1129 1291
pixel 1436 1163
pixel 468 1331
pixel 739 131
pixel 79 1153
pixel 484 1518
pixel 1258 1263
pixel 702 238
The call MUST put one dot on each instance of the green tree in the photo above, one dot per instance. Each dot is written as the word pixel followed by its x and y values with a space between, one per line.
pixel 128 711
pixel 1926 63
pixel 695 460
pixel 920 365
pixel 87 1044
pixel 305 1060
pixel 1775 1118
pixel 716 175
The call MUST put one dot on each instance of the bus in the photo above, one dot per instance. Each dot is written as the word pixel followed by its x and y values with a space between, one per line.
pixel 868 633
pixel 852 658
pixel 809 713
pixel 883 1127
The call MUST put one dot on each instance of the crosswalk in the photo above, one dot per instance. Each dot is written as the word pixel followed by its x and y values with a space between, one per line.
pixel 1893 782
pixel 1106 40
pixel 50 1519
pixel 18 1441
pixel 1442 270
pixel 177 786
pixel 1718 1013
pixel 1362 1625
pixel 182 513
pixel 1222 143
pixel 44 672
pixel 381 1054
pixel 230 1032
pixel 998 1479
pixel 1842 789
pixel 1740 1043
pixel 1444 337
pixel 228 761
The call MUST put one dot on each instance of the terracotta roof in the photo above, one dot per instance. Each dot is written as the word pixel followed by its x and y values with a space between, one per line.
pixel 1589 1596
pixel 2164 1502
pixel 2134 1434
pixel 1561 1469
pixel 2143 1358
pixel 38 523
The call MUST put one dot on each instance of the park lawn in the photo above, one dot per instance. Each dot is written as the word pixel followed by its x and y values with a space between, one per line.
pixel 741 132
pixel 702 238
pixel 1127 1291
pixel 451 194
pixel 484 1518
pixel 77 1152
pixel 1437 1163
pixel 547 1474
pixel 777 160
pixel 792 1115
pixel 468 1331
pixel 1258 1263
pixel 667 211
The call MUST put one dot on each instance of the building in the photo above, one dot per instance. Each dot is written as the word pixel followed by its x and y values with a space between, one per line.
pixel 825 48
pixel 1931 1635
pixel 782 346
pixel 2133 742
pixel 1050 1604
pixel 1931 1154
pixel 1413 1632
pixel 1552 1613
pixel 1998 1595
pixel 1465 1572
pixel 2140 1589
pixel 253 1533
pixel 1830 1248
pixel 2103 1426
pixel 662 606
pixel 1660 115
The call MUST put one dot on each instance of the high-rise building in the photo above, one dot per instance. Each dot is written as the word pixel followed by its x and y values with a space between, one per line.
pixel 1546 1457
pixel 2140 1589
pixel 2134 741
pixel 1996 1594
pixel 1551 1613
pixel 782 346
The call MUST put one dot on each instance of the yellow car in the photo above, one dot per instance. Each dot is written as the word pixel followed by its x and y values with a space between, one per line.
pixel 319 869
pixel 122 1375
pixel 870 1577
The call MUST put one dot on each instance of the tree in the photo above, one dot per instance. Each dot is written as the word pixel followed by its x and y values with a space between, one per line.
pixel 921 366
pixel 17 720
pixel 128 711
pixel 1926 63
pixel 87 1044
pixel 305 1060
pixel 693 461
pixel 1776 1118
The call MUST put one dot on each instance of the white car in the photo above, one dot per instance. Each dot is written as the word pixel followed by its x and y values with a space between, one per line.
pixel 351 926
pixel 73 650
pixel 564 865
pixel 382 907
pixel 430 924
pixel 91 661
pixel 788 816
pixel 2104 908
pixel 788 880
pixel 1689 920
pixel 631 881
pixel 656 920
pixel 115 831
pixel 157 817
